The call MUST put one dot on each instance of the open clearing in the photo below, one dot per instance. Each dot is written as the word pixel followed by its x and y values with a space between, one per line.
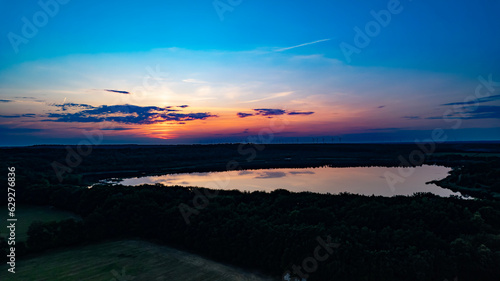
pixel 27 214
pixel 123 260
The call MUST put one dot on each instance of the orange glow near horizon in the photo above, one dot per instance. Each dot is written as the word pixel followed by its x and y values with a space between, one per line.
pixel 228 124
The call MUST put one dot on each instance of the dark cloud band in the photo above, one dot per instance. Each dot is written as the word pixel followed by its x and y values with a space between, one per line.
pixel 128 114
pixel 119 92
pixel 272 112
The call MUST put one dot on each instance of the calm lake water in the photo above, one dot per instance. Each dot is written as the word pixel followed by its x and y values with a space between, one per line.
pixel 359 180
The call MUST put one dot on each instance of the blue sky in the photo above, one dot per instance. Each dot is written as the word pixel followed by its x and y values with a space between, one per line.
pixel 223 59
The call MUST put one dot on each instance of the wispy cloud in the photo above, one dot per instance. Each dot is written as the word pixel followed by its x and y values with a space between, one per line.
pixel 6 100
pixel 195 81
pixel 300 113
pixel 302 45
pixel 272 112
pixel 116 129
pixel 302 173
pixel 243 114
pixel 411 117
pixel 65 106
pixel 27 98
pixel 29 115
pixel 269 111
pixel 480 112
pixel 472 102
pixel 271 175
pixel 272 96
pixel 119 92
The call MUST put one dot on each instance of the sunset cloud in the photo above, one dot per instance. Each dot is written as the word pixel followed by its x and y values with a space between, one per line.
pixel 65 106
pixel 269 111
pixel 117 91
pixel 271 175
pixel 474 101
pixel 30 115
pixel 411 117
pixel 127 114
pixel 272 112
pixel 479 112
pixel 300 113
pixel 243 114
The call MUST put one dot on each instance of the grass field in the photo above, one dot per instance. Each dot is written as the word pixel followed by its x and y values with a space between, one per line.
pixel 27 214
pixel 121 261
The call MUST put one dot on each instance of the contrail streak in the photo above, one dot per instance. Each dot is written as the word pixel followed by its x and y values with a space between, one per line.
pixel 301 45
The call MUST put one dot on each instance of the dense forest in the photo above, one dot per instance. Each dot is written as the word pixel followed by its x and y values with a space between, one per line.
pixel 421 237
pixel 480 179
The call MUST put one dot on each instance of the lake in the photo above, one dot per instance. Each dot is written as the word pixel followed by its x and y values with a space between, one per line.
pixel 358 180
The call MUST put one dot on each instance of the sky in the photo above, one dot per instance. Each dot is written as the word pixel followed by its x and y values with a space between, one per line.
pixel 209 71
